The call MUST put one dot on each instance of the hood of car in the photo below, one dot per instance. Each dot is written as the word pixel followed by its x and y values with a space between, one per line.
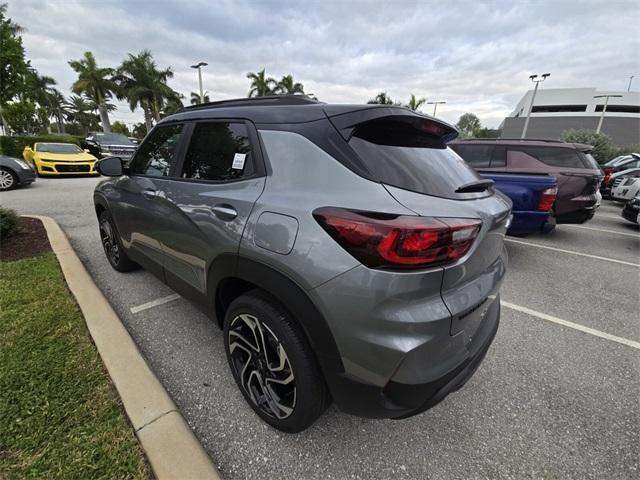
pixel 64 157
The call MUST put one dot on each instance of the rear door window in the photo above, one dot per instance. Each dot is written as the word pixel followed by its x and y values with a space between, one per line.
pixel 219 152
pixel 553 156
pixel 399 155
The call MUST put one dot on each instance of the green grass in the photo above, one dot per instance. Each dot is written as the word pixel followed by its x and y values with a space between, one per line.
pixel 60 417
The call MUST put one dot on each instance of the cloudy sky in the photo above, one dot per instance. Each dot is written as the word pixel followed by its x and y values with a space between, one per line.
pixel 475 55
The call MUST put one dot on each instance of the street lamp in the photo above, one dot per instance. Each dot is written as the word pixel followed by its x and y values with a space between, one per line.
pixel 630 80
pixel 435 105
pixel 537 80
pixel 604 108
pixel 199 65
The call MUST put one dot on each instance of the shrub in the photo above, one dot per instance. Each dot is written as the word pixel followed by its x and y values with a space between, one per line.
pixel 8 222
pixel 13 146
pixel 603 148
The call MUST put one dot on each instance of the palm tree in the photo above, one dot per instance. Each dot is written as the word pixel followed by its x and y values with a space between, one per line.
pixel 143 85
pixel 58 106
pixel 195 98
pixel 14 28
pixel 288 87
pixel 261 86
pixel 174 104
pixel 95 83
pixel 382 98
pixel 415 103
pixel 80 111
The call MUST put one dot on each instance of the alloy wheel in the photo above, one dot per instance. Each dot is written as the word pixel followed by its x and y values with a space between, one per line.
pixel 6 179
pixel 109 242
pixel 262 366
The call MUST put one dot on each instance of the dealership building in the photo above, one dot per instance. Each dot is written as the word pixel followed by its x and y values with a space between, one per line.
pixel 558 109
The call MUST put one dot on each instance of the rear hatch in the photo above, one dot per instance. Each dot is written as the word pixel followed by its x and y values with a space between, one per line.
pixel 407 154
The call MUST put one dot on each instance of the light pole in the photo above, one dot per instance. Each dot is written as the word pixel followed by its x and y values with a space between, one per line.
pixel 199 66
pixel 435 105
pixel 630 80
pixel 604 108
pixel 536 80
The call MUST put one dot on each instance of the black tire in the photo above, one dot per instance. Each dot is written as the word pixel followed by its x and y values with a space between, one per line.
pixel 276 404
pixel 113 246
pixel 8 179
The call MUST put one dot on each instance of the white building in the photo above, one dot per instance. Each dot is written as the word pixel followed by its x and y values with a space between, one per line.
pixel 558 109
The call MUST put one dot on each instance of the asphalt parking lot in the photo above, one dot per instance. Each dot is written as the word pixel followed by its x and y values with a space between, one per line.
pixel 557 396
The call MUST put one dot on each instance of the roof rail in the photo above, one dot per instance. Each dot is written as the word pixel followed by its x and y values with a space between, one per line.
pixel 549 140
pixel 270 100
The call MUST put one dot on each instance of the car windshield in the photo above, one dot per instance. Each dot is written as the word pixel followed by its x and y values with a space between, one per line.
pixel 58 148
pixel 115 138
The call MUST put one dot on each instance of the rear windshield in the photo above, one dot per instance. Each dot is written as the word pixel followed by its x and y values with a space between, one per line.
pixel 406 158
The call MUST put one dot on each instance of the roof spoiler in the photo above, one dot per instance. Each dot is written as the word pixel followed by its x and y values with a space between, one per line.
pixel 346 123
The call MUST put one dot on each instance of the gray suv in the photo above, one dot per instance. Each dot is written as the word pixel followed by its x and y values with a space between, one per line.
pixel 347 254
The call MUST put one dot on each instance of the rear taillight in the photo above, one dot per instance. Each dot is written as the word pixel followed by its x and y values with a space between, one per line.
pixel 384 240
pixel 607 179
pixel 547 197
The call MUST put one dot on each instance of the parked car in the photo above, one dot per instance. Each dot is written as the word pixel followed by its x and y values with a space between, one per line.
pixel 631 210
pixel 615 179
pixel 627 188
pixel 532 197
pixel 103 145
pixel 59 159
pixel 14 172
pixel 345 251
pixel 572 165
pixel 612 172
pixel 620 158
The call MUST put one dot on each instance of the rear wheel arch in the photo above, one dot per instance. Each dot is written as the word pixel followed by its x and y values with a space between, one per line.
pixel 231 276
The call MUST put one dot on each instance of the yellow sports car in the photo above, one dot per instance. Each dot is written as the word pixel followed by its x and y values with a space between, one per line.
pixel 59 159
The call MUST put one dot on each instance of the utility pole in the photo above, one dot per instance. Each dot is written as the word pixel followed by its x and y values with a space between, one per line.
pixel 537 81
pixel 604 108
pixel 435 105
pixel 199 66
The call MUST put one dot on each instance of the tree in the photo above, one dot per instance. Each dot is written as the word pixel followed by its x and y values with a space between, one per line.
pixel 383 99
pixel 261 85
pixel 13 65
pixel 58 108
pixel 143 85
pixel 468 124
pixel 173 104
pixel 415 103
pixel 603 148
pixel 95 83
pixel 287 86
pixel 139 131
pixel 486 133
pixel 80 114
pixel 120 127
pixel 22 117
pixel 195 98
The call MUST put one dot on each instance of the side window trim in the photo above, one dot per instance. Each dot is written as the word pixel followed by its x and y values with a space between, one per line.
pixel 180 150
pixel 257 158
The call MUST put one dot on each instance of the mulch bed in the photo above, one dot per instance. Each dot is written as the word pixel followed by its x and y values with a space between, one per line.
pixel 30 241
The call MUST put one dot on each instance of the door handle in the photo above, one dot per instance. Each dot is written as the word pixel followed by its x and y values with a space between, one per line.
pixel 224 211
pixel 149 194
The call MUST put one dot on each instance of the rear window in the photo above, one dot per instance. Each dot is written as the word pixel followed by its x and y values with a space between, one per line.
pixel 553 156
pixel 401 156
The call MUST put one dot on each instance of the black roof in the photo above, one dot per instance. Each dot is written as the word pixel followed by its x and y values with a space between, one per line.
pixel 289 109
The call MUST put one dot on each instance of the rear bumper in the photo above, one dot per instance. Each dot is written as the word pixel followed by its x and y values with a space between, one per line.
pixel 525 223
pixel 577 216
pixel 400 399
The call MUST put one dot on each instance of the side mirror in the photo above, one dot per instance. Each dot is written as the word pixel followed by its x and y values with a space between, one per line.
pixel 110 167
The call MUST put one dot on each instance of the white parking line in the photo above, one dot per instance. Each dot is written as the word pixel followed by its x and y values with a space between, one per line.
pixel 602 230
pixel 597 257
pixel 615 217
pixel 155 303
pixel 575 326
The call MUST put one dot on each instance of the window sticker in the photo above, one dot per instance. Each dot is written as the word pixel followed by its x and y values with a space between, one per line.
pixel 238 161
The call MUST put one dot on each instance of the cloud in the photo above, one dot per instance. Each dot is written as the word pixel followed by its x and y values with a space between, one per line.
pixel 475 55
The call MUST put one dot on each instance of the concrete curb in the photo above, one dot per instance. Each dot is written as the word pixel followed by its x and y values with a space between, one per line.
pixel 171 447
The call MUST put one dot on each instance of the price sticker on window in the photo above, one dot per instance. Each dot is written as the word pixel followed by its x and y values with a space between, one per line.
pixel 238 161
